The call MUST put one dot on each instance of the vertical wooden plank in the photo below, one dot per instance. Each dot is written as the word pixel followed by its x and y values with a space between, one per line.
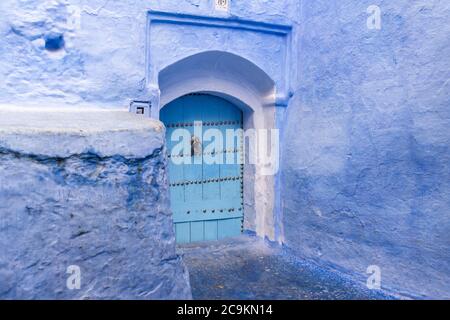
pixel 176 175
pixel 230 172
pixel 193 173
pixel 211 230
pixel 211 171
pixel 231 191
pixel 228 111
pixel 197 231
pixel 194 195
pixel 211 108
pixel 232 118
pixel 182 232
pixel 229 228
pixel 169 115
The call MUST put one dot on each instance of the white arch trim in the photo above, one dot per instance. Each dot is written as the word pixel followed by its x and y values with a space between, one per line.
pixel 247 86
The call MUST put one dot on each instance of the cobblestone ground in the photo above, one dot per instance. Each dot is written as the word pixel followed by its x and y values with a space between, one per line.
pixel 249 268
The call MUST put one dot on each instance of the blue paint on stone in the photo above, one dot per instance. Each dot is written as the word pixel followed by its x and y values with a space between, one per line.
pixel 73 195
pixel 104 57
pixel 54 42
pixel 366 161
pixel 365 165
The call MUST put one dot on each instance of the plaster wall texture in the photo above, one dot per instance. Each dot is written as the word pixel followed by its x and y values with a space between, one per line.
pixel 104 54
pixel 86 55
pixel 103 59
pixel 366 160
pixel 96 197
pixel 365 141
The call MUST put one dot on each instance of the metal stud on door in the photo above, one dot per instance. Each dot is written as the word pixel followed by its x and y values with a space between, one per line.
pixel 206 196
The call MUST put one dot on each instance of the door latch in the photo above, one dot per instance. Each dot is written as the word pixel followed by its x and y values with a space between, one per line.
pixel 196 146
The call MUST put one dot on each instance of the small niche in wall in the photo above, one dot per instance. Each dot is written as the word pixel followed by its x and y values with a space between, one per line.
pixel 140 107
pixel 54 42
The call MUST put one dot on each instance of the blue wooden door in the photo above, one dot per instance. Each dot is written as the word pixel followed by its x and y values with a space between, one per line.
pixel 206 196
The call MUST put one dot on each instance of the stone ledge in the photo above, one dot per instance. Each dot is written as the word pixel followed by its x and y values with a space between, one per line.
pixel 64 132
pixel 87 189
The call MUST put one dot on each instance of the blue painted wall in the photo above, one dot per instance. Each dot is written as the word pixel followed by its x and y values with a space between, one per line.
pixel 365 165
pixel 103 60
pixel 366 162
pixel 95 199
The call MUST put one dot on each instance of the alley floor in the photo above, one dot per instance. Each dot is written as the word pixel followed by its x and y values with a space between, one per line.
pixel 248 268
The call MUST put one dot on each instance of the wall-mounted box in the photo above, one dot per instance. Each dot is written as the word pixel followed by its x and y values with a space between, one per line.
pixel 141 107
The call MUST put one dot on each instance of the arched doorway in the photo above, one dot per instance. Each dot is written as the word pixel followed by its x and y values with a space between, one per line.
pixel 204 139
pixel 246 86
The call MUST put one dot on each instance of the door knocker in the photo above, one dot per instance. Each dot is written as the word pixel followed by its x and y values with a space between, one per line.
pixel 196 146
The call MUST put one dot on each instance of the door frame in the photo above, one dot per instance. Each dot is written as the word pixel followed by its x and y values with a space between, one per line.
pixel 249 88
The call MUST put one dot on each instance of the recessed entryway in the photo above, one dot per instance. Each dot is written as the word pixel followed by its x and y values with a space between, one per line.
pixel 206 175
pixel 242 84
